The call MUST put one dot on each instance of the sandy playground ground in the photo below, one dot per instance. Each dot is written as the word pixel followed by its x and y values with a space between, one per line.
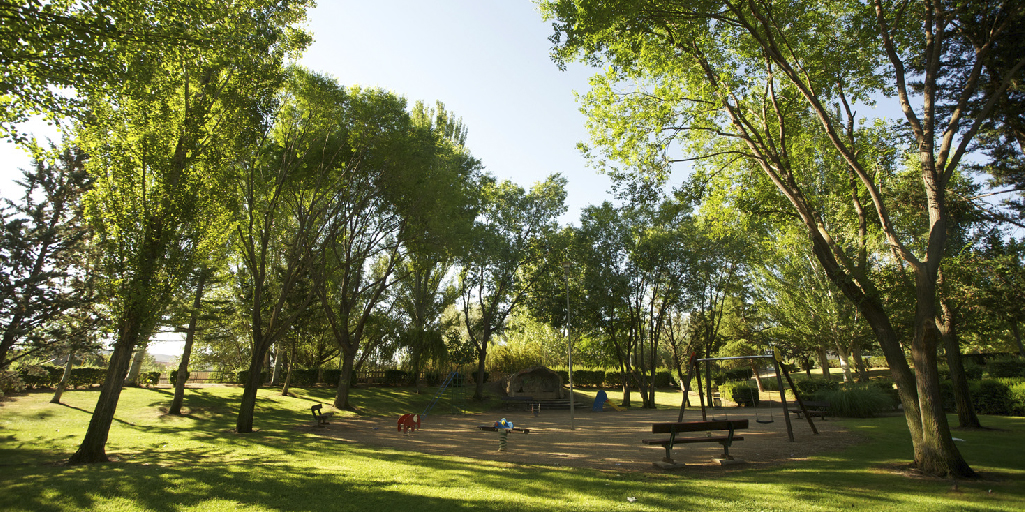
pixel 608 440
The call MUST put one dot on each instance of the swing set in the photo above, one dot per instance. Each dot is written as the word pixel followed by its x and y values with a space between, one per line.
pixel 716 401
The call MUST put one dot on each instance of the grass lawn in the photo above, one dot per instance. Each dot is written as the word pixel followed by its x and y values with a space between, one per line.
pixel 195 462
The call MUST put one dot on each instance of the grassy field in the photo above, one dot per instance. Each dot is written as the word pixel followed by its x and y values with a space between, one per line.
pixel 195 462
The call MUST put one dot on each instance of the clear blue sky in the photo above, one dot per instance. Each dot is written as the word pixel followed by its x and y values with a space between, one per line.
pixel 486 60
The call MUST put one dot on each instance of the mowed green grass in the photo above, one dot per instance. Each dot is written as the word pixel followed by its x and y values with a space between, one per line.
pixel 195 462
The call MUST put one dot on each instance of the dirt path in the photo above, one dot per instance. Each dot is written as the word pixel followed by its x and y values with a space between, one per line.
pixel 605 441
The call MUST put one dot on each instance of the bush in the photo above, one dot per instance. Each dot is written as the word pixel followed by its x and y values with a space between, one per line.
pixel 876 362
pixel 40 376
pixel 10 382
pixel 588 378
pixel 86 376
pixel 991 397
pixel 973 370
pixel 663 379
pixel 149 378
pixel 811 387
pixel 1006 367
pixel 396 378
pixel 1017 394
pixel 172 377
pixel 740 393
pixel 856 400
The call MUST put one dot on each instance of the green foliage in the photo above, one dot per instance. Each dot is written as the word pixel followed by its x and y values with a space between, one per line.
pixel 588 378
pixel 397 378
pixel 1017 395
pixel 738 374
pixel 1006 367
pixel 855 401
pixel 149 378
pixel 10 382
pixel 991 396
pixel 662 379
pixel 172 377
pixel 36 376
pixel 811 386
pixel 741 393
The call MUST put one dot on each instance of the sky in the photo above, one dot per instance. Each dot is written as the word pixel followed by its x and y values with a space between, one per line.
pixel 486 60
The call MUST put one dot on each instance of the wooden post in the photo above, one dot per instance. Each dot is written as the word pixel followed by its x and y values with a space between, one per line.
pixel 783 397
pixel 797 396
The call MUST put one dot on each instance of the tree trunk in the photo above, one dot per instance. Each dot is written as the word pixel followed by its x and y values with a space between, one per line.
pixel 859 364
pixel 64 379
pixel 133 373
pixel 244 423
pixel 1017 336
pixel 936 453
pixel 190 336
pixel 842 352
pixel 757 376
pixel 93 449
pixel 823 360
pixel 291 364
pixel 275 377
pixel 345 383
pixel 947 326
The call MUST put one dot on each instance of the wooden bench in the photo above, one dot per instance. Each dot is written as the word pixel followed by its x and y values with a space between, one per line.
pixel 820 409
pixel 696 426
pixel 322 418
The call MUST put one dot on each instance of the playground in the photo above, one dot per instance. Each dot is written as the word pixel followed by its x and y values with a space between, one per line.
pixel 609 440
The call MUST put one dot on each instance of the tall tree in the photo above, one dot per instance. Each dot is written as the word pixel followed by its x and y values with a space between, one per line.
pixel 158 142
pixel 507 256
pixel 284 213
pixel 41 246
pixel 758 82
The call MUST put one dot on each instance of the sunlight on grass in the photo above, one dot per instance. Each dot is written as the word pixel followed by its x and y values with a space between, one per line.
pixel 195 462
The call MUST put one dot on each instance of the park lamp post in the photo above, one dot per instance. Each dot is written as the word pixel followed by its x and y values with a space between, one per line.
pixel 569 345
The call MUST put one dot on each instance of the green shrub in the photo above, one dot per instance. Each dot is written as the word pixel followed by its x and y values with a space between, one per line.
pixel 855 400
pixel 10 382
pixel 973 370
pixel 991 397
pixel 172 377
pixel 810 387
pixel 242 376
pixel 1006 367
pixel 740 393
pixel 1017 395
pixel 876 362
pixel 40 376
pixel 396 378
pixel 588 378
pixel 663 379
pixel 87 376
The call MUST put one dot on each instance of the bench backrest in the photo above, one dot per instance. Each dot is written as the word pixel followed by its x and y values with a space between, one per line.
pixel 697 426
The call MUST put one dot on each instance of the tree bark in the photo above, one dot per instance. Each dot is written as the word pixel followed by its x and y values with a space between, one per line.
pixel 947 326
pixel 1017 336
pixel 288 374
pixel 190 336
pixel 279 358
pixel 64 380
pixel 823 360
pixel 345 383
pixel 136 368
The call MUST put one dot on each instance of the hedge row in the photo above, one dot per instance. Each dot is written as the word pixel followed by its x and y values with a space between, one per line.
pixel 1004 396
